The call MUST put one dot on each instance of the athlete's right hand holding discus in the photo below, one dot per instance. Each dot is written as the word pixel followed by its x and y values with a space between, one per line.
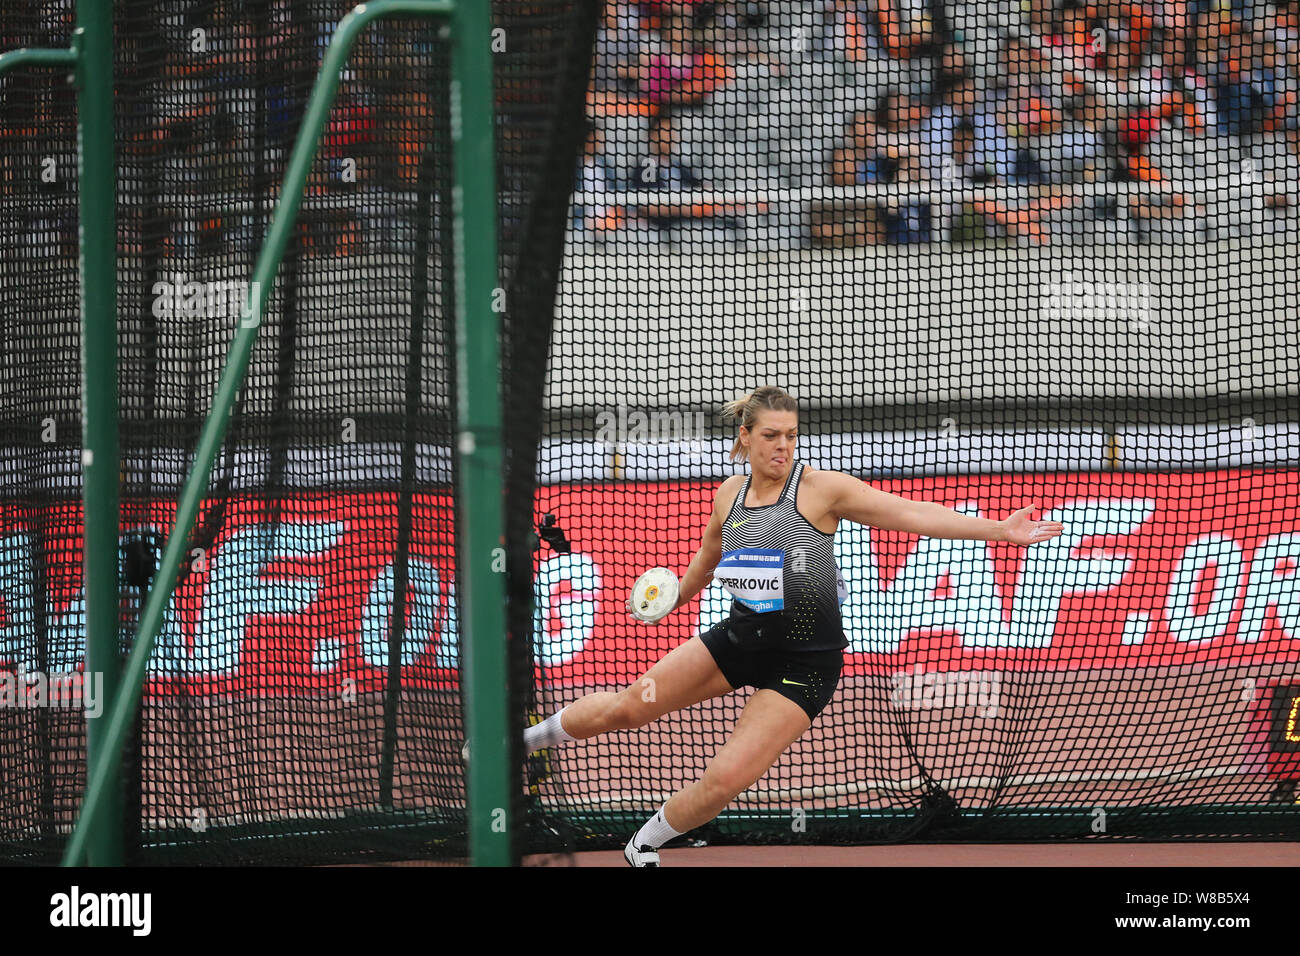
pixel 768 541
pixel 654 596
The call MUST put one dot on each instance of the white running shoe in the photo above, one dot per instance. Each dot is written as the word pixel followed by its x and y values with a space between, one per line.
pixel 640 856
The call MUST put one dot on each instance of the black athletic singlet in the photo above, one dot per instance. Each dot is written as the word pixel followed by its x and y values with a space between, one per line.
pixel 782 573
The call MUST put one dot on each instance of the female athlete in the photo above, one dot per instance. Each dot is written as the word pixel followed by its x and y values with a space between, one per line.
pixel 783 636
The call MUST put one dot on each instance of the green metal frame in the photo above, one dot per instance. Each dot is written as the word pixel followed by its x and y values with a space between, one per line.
pixel 91 59
pixel 101 466
pixel 479 411
pixel 37 57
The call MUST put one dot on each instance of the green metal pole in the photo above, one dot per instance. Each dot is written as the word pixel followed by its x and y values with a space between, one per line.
pixel 29 56
pixel 478 376
pixel 101 469
pixel 214 429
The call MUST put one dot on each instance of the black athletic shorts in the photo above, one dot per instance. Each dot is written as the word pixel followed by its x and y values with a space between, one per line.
pixel 808 678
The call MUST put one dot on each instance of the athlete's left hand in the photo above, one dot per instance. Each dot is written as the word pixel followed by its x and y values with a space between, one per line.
pixel 1021 530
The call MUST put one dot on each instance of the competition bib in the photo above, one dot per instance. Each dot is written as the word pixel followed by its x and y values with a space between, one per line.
pixel 754 576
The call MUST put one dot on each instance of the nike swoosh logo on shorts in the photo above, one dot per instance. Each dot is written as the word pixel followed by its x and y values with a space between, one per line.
pixel 786 680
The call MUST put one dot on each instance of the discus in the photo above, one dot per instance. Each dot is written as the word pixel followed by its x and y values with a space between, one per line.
pixel 654 595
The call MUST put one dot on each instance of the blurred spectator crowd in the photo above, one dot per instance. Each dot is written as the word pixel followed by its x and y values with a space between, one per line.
pixel 976 120
pixel 210 104
pixel 764 123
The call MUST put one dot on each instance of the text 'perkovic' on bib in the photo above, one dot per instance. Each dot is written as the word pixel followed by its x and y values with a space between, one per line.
pixel 754 576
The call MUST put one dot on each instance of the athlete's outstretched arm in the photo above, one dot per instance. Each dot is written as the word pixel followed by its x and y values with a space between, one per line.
pixel 858 501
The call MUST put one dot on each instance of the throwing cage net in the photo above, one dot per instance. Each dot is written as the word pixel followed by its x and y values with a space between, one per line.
pixel 1000 254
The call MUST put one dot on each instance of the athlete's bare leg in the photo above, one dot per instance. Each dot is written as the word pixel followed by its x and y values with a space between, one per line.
pixel 686 675
pixel 768 725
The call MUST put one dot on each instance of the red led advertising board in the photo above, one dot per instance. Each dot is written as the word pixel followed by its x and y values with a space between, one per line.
pixel 1152 570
